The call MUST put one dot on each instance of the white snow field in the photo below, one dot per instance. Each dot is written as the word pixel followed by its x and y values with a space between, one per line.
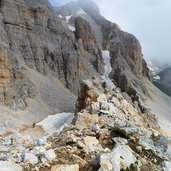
pixel 108 68
pixel 56 123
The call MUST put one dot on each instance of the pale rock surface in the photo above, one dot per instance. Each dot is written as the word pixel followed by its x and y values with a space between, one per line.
pixel 125 153
pixel 85 120
pixel 92 144
pixel 50 155
pixel 167 166
pixel 41 58
pixel 109 160
pixel 39 150
pixel 102 98
pixel 65 168
pixel 105 165
pixel 41 142
pixel 76 159
pixel 8 166
pixel 95 127
pixel 121 157
pixel 30 158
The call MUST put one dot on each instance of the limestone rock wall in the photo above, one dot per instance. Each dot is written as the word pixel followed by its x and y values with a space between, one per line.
pixel 33 36
pixel 129 67
pixel 90 44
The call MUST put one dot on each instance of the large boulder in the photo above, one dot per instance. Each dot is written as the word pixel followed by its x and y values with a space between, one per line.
pixel 65 168
pixel 92 144
pixel 30 158
pixel 8 166
pixel 119 158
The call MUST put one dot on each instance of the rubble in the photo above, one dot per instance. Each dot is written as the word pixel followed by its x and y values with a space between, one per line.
pixel 104 136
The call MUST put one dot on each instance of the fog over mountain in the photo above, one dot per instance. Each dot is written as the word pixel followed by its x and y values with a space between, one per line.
pixel 148 20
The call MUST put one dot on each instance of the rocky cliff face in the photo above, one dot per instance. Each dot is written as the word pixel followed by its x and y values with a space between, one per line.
pixel 45 54
pixel 129 69
pixel 35 37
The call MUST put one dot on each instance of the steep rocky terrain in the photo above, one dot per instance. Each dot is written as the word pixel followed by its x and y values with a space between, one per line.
pixel 35 37
pixel 118 116
pixel 164 83
pixel 46 53
pixel 107 133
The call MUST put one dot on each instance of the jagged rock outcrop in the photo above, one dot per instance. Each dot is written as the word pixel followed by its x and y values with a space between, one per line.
pixel 46 53
pixel 34 37
pixel 37 38
pixel 84 32
pixel 129 67
pixel 127 62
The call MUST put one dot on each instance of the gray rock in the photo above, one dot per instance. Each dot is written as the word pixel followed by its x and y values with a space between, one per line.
pixel 30 158
pixel 161 143
pixel 50 155
pixel 4 166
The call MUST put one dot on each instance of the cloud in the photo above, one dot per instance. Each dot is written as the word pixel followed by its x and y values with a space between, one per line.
pixel 148 20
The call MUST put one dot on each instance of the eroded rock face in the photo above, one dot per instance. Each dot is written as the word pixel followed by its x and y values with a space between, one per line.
pixel 85 33
pixel 129 67
pixel 34 37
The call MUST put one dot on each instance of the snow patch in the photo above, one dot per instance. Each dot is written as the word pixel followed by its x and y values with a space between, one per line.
pixel 152 67
pixel 71 28
pixel 56 123
pixel 81 11
pixel 157 77
pixel 60 16
pixel 108 68
pixel 68 18
pixel 154 70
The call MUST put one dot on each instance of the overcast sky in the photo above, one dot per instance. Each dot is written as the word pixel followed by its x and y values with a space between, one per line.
pixel 148 20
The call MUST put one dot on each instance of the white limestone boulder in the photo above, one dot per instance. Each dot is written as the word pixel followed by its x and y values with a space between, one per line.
pixel 9 166
pixel 65 168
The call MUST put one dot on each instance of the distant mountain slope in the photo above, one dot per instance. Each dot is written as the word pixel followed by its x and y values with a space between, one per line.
pixel 164 83
pixel 159 103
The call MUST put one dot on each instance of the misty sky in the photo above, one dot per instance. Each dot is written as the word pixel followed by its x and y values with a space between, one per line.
pixel 148 20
